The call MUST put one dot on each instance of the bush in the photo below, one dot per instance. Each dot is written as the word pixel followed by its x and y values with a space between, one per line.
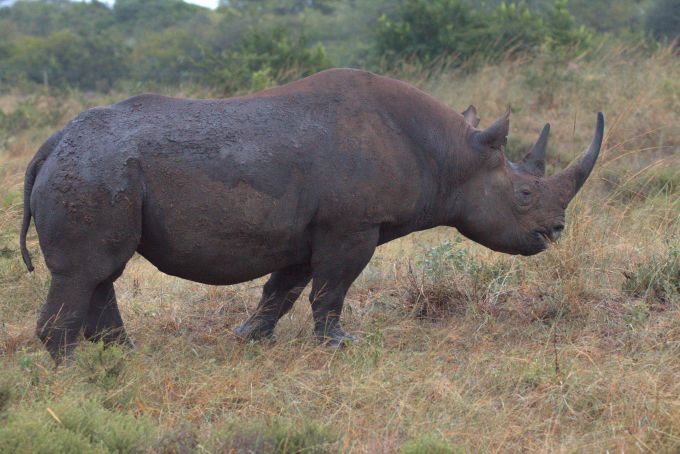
pixel 562 34
pixel 663 20
pixel 428 30
pixel 432 29
pixel 167 57
pixel 450 280
pixel 74 425
pixel 154 15
pixel 658 279
pixel 264 57
pixel 65 58
pixel 6 392
pixel 660 181
pixel 32 112
pixel 281 437
pixel 165 42
pixel 429 444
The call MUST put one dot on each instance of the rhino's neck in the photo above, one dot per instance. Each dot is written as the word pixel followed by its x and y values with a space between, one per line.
pixel 440 137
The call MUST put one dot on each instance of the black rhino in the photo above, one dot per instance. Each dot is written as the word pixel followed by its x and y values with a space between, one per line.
pixel 302 181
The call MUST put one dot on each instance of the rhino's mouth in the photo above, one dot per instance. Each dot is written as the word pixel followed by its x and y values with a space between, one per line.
pixel 541 241
pixel 533 244
pixel 543 236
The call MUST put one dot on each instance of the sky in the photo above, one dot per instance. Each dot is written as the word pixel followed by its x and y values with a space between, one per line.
pixel 207 3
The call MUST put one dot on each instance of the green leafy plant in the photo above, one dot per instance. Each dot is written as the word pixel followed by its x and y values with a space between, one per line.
pixel 431 30
pixel 280 437
pixel 429 443
pixel 74 425
pixel 657 279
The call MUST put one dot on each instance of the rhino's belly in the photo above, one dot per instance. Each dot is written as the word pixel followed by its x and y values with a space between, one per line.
pixel 223 233
pixel 221 261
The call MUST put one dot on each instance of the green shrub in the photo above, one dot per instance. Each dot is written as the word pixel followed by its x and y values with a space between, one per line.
pixel 154 15
pixel 100 365
pixel 562 34
pixel 432 29
pixel 28 114
pixel 73 425
pixel 659 181
pixel 264 57
pixel 663 20
pixel 6 392
pixel 281 437
pixel 450 280
pixel 429 444
pixel 65 59
pixel 178 440
pixel 657 279
pixel 169 56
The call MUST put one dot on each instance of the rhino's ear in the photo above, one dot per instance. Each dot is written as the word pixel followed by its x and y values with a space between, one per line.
pixel 470 115
pixel 496 135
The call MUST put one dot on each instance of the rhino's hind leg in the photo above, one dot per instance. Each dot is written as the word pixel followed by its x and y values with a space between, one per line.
pixel 86 243
pixel 278 296
pixel 103 321
pixel 61 317
pixel 337 260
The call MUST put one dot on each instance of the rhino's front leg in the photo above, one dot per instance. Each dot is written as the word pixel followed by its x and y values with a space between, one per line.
pixel 278 296
pixel 337 260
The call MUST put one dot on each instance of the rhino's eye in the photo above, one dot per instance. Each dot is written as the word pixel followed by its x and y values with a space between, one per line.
pixel 524 196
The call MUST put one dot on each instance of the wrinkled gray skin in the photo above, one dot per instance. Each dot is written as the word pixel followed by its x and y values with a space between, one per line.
pixel 301 181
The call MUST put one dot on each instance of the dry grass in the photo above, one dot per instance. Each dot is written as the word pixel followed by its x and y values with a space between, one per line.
pixel 463 349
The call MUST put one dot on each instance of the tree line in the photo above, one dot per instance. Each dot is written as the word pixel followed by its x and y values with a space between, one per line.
pixel 251 44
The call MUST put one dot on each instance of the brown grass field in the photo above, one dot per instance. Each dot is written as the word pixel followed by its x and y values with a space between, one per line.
pixel 462 349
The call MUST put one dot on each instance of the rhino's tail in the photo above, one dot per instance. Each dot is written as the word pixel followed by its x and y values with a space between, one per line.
pixel 31 174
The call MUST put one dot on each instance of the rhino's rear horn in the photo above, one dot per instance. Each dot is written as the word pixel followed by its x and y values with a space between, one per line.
pixel 534 161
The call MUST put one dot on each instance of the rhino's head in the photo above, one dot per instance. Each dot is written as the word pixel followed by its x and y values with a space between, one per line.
pixel 513 207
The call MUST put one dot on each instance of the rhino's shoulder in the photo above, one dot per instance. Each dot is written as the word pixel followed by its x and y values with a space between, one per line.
pixel 143 100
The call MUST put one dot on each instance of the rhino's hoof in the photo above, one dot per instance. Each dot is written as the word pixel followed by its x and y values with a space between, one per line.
pixel 128 343
pixel 255 329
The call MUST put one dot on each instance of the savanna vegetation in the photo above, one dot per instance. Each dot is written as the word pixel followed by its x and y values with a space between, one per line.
pixel 462 349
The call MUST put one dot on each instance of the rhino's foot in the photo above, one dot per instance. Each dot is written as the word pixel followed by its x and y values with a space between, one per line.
pixel 126 341
pixel 335 337
pixel 122 340
pixel 256 328
pixel 115 336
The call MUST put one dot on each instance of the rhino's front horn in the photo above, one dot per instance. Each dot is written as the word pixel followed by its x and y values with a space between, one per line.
pixel 577 173
pixel 534 161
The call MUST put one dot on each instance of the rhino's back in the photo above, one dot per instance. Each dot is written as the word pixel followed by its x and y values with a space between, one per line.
pixel 232 188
